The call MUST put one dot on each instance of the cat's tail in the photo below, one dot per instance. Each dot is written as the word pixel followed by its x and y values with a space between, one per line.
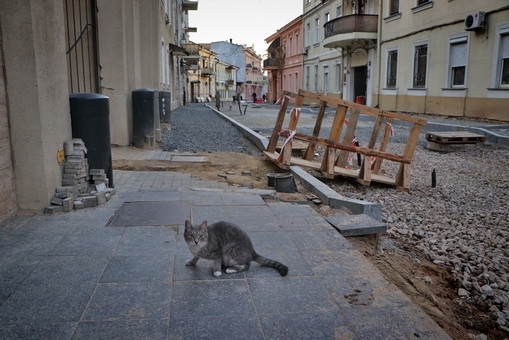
pixel 281 268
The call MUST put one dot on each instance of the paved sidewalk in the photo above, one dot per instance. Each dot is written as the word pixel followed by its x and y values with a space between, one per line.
pixel 69 276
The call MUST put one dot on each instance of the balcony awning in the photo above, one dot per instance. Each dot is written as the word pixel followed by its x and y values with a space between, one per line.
pixel 177 50
pixel 274 45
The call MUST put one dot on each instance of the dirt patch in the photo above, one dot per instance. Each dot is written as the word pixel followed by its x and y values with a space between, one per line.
pixel 428 285
pixel 231 167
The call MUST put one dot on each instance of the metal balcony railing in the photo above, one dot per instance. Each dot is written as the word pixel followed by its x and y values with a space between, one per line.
pixel 270 62
pixel 351 23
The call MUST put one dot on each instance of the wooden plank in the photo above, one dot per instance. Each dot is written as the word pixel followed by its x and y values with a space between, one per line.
pixel 349 135
pixel 455 137
pixel 365 171
pixel 310 152
pixel 403 176
pixel 349 147
pixel 383 146
pixel 271 147
pixel 330 153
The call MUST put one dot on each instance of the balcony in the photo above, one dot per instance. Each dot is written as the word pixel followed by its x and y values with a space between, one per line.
pixel 188 5
pixel 230 82
pixel 190 29
pixel 271 64
pixel 207 71
pixel 193 50
pixel 344 31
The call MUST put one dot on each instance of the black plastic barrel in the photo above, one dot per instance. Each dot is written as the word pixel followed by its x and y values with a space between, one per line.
pixel 164 106
pixel 145 106
pixel 90 121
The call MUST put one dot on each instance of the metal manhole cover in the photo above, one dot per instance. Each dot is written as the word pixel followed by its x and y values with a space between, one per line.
pixel 150 214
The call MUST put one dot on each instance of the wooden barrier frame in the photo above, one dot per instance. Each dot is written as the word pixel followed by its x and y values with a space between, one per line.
pixel 334 161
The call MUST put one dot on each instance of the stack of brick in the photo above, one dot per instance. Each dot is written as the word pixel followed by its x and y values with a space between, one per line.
pixel 76 191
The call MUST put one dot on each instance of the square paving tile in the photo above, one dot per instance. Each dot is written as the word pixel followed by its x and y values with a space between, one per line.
pixel 290 295
pixel 291 258
pixel 37 330
pixel 227 298
pixel 148 241
pixel 129 301
pixel 151 213
pixel 320 239
pixel 57 290
pixel 241 199
pixel 256 223
pixel 138 268
pixel 326 325
pixel 218 327
pixel 122 329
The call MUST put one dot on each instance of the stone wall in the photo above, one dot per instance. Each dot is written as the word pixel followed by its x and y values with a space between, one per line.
pixel 8 203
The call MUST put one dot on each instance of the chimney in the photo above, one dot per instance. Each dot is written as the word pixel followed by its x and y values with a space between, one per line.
pixel 231 40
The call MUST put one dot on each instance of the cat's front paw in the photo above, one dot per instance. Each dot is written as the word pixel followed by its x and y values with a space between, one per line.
pixel 218 273
pixel 190 262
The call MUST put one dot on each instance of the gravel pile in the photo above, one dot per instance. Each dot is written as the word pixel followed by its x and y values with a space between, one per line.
pixel 196 128
pixel 462 223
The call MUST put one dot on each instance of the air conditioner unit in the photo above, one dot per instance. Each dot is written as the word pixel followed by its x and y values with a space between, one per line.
pixel 475 21
pixel 305 50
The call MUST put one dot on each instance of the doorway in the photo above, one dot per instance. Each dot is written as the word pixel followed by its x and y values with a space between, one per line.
pixel 360 77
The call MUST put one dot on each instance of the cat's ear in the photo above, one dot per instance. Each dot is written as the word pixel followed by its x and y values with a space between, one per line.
pixel 188 224
pixel 204 224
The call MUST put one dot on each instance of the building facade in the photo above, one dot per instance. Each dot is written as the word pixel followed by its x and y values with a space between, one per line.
pixel 109 47
pixel 201 73
pixel 284 64
pixel 233 54
pixel 225 80
pixel 322 66
pixel 432 61
pixel 254 77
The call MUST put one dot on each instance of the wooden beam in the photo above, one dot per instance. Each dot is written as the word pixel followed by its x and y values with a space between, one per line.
pixel 310 151
pixel 348 147
pixel 349 135
pixel 271 147
pixel 330 153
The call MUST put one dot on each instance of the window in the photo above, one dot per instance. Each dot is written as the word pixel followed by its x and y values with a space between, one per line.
pixel 326 17
pixel 338 78
pixel 308 34
pixel 393 6
pixel 290 47
pixel 420 65
pixel 296 82
pixel 392 68
pixel 307 78
pixel 339 11
pixel 316 78
pixel 422 2
pixel 504 59
pixel 326 79
pixel 457 61
pixel 317 30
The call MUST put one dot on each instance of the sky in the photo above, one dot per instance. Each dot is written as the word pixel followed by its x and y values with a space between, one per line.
pixel 244 21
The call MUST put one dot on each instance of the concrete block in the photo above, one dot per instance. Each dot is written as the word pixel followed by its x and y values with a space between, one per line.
pixel 111 191
pixel 356 225
pixel 68 148
pixel 96 172
pixel 90 201
pixel 335 200
pixel 79 205
pixel 61 195
pixel 53 209
pixel 68 204
pixel 100 187
pixel 101 197
pixel 69 182
pixel 57 201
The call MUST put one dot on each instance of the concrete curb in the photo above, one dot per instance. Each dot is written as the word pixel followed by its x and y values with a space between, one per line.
pixel 317 187
pixel 260 141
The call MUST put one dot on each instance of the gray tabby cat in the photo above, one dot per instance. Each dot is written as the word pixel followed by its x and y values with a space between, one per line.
pixel 227 245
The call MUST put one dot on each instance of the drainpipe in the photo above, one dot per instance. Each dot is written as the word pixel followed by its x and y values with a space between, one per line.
pixel 379 52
